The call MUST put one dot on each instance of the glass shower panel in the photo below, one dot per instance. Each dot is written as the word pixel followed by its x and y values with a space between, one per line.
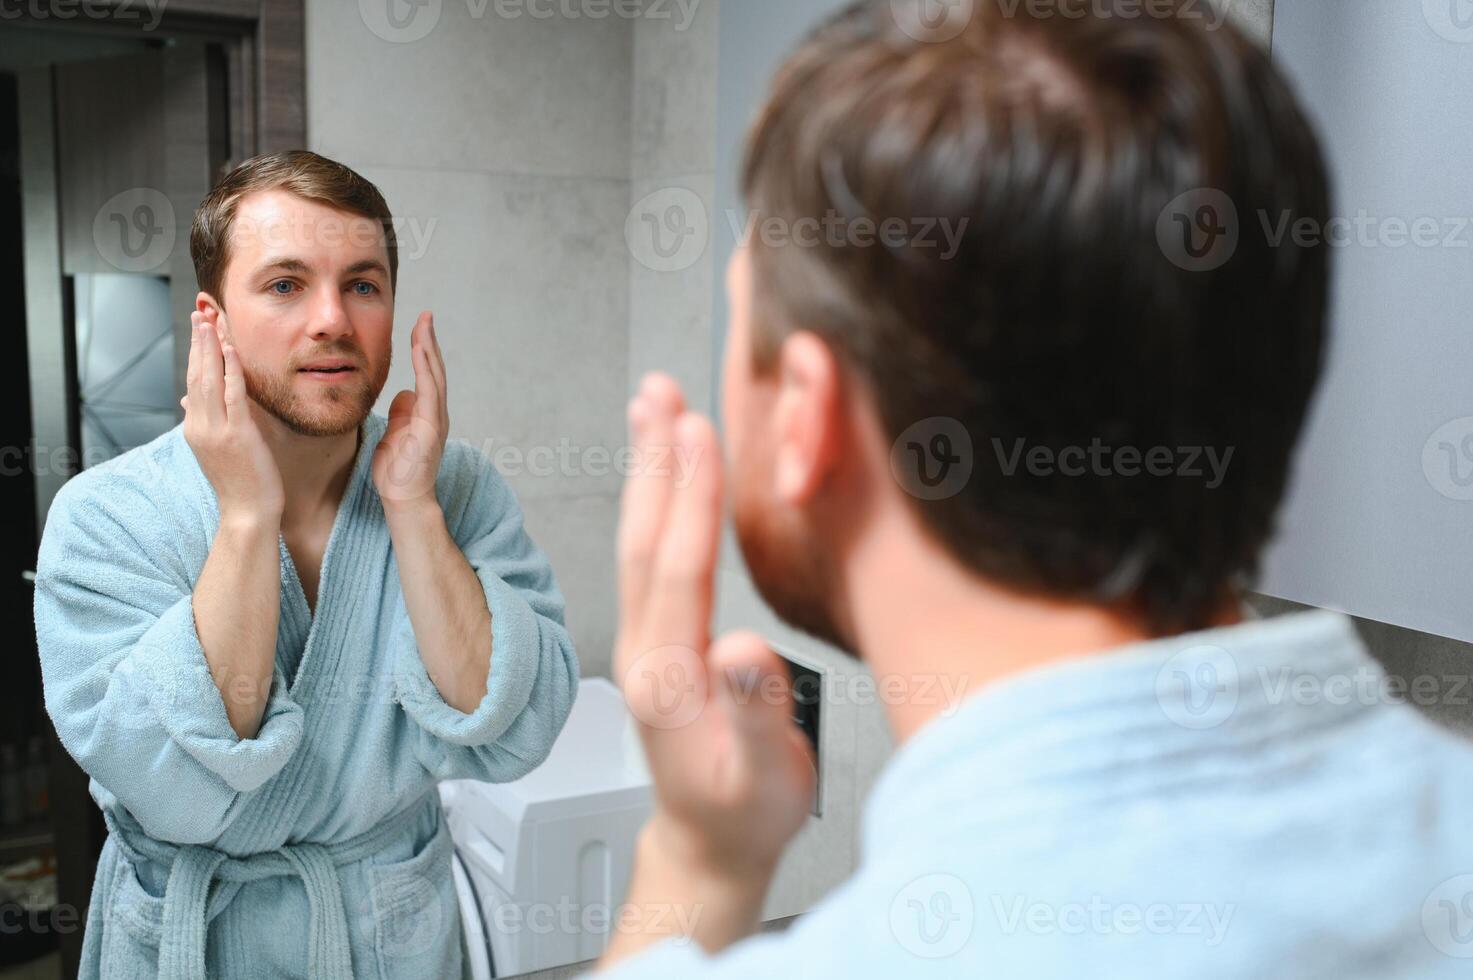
pixel 125 362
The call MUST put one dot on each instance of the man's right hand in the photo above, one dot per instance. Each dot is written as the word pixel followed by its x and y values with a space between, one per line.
pixel 219 428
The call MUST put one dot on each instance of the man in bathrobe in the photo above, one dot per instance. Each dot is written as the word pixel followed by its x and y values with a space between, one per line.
pixel 1106 766
pixel 269 633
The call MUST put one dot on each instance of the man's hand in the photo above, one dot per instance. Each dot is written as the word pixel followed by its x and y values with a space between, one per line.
pixel 407 460
pixel 237 598
pixel 219 428
pixel 444 597
pixel 733 774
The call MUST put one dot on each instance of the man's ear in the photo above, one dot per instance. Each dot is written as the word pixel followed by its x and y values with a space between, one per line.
pixel 807 418
pixel 205 303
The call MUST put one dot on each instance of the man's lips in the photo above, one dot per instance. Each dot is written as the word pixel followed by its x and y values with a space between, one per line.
pixel 329 371
pixel 328 367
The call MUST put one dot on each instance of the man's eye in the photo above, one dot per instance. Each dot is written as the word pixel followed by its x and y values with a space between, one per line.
pixel 281 282
pixel 365 288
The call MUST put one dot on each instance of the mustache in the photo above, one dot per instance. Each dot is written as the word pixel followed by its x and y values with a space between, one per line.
pixel 345 349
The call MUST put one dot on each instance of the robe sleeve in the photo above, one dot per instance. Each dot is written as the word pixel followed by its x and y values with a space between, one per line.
pixel 534 670
pixel 126 681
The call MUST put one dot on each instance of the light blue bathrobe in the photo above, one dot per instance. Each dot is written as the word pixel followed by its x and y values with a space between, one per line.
pixel 317 848
pixel 1244 803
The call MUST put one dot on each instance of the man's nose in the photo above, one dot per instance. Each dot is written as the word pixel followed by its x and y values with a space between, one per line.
pixel 329 318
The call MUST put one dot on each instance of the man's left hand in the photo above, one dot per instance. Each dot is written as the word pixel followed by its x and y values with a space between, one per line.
pixel 733 775
pixel 408 459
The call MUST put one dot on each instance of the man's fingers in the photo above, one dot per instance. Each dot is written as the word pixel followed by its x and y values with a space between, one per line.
pixel 437 364
pixel 752 681
pixel 237 408
pixel 646 495
pixel 191 376
pixel 755 693
pixel 212 375
pixel 681 582
pixel 425 385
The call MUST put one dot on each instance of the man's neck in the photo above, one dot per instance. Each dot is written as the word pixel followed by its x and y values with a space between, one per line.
pixel 315 470
pixel 941 634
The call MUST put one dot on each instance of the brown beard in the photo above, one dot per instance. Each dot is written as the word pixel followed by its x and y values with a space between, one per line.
pixel 792 571
pixel 275 393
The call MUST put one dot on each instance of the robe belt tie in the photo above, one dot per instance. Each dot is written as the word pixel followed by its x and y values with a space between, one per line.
pixel 194 868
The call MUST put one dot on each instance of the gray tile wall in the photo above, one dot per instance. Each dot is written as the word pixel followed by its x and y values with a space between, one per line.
pixel 673 158
pixel 503 145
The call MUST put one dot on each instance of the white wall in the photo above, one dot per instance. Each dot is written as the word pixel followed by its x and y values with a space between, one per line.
pixel 1378 520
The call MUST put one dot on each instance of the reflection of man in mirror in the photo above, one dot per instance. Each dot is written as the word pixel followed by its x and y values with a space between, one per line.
pixel 269 633
pixel 1036 474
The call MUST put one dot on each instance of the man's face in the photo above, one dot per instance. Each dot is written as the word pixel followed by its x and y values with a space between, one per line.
pixel 308 300
pixel 792 565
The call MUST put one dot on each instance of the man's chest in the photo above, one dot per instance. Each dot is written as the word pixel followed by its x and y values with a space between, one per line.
pixel 307 548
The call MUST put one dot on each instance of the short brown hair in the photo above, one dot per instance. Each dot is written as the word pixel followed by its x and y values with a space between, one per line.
pixel 1062 140
pixel 299 172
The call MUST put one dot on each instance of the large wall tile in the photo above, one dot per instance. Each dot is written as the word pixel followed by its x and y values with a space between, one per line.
pixel 670 310
pixel 576 533
pixel 528 280
pixel 478 91
pixel 674 106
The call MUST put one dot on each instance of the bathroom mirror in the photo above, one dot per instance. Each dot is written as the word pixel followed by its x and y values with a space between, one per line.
pixel 553 171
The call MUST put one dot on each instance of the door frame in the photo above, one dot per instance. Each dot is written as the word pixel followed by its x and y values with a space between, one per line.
pixel 264 44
